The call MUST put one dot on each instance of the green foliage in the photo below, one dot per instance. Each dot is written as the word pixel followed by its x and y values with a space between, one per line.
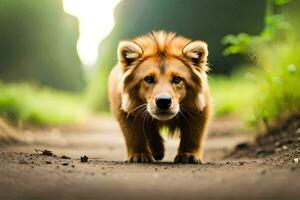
pixel 282 2
pixel 232 94
pixel 41 106
pixel 276 51
pixel 279 92
pixel 97 90
pixel 276 28
pixel 237 43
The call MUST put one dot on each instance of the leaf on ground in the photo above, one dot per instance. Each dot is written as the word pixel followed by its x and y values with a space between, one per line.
pixel 84 159
pixel 44 152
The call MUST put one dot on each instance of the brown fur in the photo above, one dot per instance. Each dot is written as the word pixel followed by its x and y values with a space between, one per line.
pixel 163 56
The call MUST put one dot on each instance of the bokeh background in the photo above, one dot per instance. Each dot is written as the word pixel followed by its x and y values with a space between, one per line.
pixel 55 56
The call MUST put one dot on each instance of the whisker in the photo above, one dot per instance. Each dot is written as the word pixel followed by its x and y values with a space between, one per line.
pixel 183 116
pixel 136 108
pixel 190 115
pixel 145 119
pixel 192 111
pixel 138 114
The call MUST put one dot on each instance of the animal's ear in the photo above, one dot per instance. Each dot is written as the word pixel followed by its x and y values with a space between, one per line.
pixel 128 52
pixel 196 52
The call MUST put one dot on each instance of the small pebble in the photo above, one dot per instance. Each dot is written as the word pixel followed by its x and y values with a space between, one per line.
pixel 263 171
pixel 23 162
pixel 293 168
pixel 284 147
pixel 242 162
pixel 296 160
pixel 65 157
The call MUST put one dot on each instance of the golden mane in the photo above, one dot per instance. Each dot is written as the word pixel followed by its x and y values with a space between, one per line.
pixel 162 42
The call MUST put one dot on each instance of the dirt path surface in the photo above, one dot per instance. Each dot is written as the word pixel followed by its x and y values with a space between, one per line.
pixel 26 174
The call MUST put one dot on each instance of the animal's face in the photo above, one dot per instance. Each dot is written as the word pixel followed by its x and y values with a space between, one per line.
pixel 162 86
pixel 161 81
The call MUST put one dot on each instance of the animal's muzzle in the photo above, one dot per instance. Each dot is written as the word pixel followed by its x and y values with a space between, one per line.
pixel 163 102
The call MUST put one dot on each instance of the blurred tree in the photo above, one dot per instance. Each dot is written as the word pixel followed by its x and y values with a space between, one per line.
pixel 38 43
pixel 197 19
pixel 276 28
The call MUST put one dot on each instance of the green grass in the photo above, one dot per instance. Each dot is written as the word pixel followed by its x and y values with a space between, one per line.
pixel 276 55
pixel 232 94
pixel 39 105
pixel 279 81
pixel 270 91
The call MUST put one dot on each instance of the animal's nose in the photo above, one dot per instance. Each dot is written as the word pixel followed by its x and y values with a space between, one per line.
pixel 163 102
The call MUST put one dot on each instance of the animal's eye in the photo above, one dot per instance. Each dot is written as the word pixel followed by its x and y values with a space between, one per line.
pixel 177 79
pixel 149 79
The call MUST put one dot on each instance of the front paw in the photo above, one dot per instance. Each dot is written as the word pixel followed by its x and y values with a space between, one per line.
pixel 187 158
pixel 157 151
pixel 140 158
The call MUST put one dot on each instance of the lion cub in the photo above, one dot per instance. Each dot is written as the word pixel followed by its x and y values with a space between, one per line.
pixel 160 80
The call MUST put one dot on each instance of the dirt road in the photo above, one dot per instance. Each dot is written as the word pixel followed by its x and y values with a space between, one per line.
pixel 25 174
